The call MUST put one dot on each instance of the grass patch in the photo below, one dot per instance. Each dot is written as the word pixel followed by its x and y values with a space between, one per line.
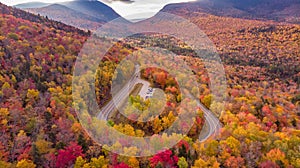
pixel 136 90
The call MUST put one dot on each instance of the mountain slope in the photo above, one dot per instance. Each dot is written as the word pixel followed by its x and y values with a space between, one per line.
pixel 38 122
pixel 68 16
pixel 283 11
pixel 31 5
pixel 36 58
pixel 93 8
pixel 37 19
pixel 83 14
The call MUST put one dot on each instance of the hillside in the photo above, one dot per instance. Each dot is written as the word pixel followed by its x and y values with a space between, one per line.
pixel 36 60
pixel 93 8
pixel 31 5
pixel 39 126
pixel 68 16
pixel 37 19
pixel 282 11
pixel 86 15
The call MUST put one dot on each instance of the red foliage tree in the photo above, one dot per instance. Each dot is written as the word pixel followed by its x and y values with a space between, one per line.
pixel 66 157
pixel 121 165
pixel 268 164
pixel 165 159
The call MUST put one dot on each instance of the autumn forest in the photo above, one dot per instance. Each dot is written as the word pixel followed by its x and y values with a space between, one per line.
pixel 259 120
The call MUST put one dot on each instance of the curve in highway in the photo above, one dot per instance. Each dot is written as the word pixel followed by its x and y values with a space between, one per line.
pixel 212 124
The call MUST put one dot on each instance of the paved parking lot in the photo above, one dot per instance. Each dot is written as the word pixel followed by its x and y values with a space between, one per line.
pixel 146 91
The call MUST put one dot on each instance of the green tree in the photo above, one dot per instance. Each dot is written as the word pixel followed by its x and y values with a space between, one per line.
pixel 182 163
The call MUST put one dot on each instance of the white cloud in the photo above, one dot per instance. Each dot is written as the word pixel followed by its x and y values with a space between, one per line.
pixel 141 8
pixel 135 10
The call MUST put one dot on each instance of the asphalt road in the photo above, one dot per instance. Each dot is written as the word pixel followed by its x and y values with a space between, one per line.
pixel 212 124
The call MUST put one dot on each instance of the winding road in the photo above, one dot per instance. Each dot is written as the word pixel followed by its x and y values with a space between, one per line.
pixel 212 124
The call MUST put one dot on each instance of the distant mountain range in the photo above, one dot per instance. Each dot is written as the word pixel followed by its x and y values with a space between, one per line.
pixel 31 5
pixel 87 15
pixel 278 10
pixel 91 14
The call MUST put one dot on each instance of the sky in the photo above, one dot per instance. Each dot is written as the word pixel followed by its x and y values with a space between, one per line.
pixel 130 10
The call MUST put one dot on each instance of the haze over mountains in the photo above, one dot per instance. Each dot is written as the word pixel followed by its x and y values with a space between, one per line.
pixel 278 10
pixel 87 15
pixel 69 16
pixel 40 125
pixel 93 8
pixel 31 5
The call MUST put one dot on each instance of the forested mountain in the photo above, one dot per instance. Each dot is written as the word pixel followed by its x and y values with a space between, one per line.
pixel 93 8
pixel 38 19
pixel 260 121
pixel 279 10
pixel 83 14
pixel 36 55
pixel 68 16
pixel 31 5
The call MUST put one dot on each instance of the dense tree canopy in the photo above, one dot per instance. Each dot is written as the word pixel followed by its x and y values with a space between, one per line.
pixel 39 126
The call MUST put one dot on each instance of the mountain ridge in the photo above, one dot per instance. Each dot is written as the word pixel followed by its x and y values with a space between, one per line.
pixel 83 14
pixel 257 9
pixel 31 5
pixel 93 8
pixel 68 16
pixel 38 19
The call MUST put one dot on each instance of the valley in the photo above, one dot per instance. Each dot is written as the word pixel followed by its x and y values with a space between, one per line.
pixel 257 124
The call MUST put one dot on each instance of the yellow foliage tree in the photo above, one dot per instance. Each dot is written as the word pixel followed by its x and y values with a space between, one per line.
pixel 4 164
pixel 25 164
pixel 182 163
pixel 133 162
pixel 32 94
pixel 43 146
pixel 275 155
pixel 200 163
pixel 233 144
pixel 80 162
pixel 99 162
pixel 157 126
